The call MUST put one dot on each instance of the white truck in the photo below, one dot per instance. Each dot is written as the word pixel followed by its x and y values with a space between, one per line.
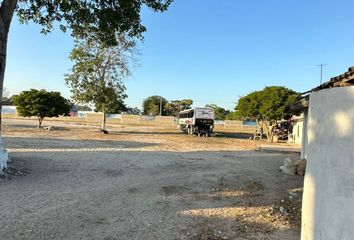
pixel 199 121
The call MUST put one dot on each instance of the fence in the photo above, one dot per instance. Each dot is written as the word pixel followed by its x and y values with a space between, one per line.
pixel 166 121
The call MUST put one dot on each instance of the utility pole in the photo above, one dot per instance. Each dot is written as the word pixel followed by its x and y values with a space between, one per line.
pixel 160 106
pixel 321 66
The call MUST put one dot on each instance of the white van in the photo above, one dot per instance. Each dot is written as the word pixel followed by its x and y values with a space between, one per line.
pixel 198 121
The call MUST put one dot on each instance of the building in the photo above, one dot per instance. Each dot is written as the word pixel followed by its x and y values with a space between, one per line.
pixel 327 144
pixel 297 129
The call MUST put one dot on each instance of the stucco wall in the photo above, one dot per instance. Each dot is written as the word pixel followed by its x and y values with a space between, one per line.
pixel 3 156
pixel 328 201
pixel 297 132
pixel 304 140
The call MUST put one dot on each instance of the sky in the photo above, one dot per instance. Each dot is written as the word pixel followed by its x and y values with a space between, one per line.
pixel 210 51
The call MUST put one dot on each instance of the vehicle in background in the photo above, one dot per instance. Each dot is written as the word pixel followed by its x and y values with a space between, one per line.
pixel 198 121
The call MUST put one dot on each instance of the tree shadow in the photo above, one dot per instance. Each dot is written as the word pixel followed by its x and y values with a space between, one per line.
pixel 239 135
pixel 113 132
pixel 55 143
pixel 20 126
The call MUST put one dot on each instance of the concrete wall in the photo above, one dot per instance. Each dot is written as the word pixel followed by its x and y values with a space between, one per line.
pixel 166 121
pixel 236 125
pixel 328 201
pixel 3 156
pixel 96 118
pixel 304 140
pixel 297 132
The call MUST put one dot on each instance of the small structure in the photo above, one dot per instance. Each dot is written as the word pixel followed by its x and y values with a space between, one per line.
pixel 327 144
pixel 295 135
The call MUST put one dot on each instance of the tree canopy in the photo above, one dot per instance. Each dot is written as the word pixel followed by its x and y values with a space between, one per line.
pixel 267 106
pixel 82 108
pixel 151 105
pixel 220 113
pixel 102 18
pixel 234 115
pixel 133 111
pixel 175 106
pixel 41 104
pixel 98 73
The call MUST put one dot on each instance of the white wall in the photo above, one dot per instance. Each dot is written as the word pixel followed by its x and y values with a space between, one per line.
pixel 328 201
pixel 304 140
pixel 298 130
pixel 3 156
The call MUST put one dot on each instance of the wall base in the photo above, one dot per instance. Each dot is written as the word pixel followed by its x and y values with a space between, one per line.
pixel 4 157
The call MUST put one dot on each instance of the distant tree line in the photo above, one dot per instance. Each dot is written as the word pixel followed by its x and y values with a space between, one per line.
pixel 154 105
pixel 266 106
pixel 157 105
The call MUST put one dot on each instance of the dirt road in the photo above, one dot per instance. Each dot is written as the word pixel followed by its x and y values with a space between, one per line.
pixel 143 183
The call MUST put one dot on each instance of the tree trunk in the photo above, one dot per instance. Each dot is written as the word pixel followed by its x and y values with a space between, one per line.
pixel 262 125
pixel 104 119
pixel 40 120
pixel 6 12
pixel 269 130
pixel 271 134
pixel 7 9
pixel 3 50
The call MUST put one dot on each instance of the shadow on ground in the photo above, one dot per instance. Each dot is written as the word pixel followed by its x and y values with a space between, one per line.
pixel 201 195
pixel 123 132
pixel 54 143
pixel 239 135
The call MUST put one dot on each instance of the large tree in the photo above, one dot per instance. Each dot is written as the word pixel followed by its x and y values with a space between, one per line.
pixel 133 111
pixel 175 106
pixel 220 113
pixel 98 73
pixel 41 104
pixel 154 105
pixel 234 115
pixel 267 106
pixel 101 18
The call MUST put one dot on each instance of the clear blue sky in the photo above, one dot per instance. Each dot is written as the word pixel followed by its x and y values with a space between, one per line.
pixel 209 51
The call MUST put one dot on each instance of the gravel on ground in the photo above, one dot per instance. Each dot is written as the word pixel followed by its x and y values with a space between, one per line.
pixel 143 183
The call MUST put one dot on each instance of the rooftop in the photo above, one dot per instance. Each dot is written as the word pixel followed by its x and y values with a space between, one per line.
pixel 343 80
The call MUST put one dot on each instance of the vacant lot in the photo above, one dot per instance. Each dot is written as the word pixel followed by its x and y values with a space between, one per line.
pixel 143 183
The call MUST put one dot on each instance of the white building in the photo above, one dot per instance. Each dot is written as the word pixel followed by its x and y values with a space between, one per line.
pixel 328 146
pixel 297 129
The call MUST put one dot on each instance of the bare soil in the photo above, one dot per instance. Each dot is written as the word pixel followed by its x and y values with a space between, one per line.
pixel 143 183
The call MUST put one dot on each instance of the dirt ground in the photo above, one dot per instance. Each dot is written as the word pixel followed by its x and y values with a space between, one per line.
pixel 143 183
